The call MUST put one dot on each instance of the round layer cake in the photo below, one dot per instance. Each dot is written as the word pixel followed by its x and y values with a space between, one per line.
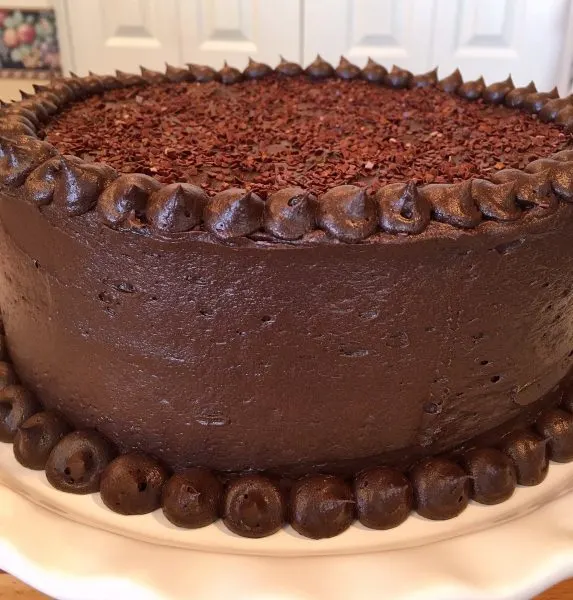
pixel 300 273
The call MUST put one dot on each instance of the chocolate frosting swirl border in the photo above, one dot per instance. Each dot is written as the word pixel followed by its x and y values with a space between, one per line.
pixel 461 205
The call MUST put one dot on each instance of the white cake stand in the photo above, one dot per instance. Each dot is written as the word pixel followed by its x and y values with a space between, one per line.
pixel 72 547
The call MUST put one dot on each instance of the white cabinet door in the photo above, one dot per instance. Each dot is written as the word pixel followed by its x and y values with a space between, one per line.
pixel 389 31
pixel 105 35
pixel 497 37
pixel 234 30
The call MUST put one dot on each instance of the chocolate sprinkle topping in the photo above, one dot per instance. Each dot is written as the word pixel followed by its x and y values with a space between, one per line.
pixel 277 132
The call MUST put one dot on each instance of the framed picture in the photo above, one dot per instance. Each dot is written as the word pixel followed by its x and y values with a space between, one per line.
pixel 29 45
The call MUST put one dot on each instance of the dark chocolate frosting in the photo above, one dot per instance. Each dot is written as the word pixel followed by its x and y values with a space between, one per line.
pixel 36 438
pixel 127 196
pixel 176 207
pixel 290 213
pixel 515 98
pixel 16 406
pixel 556 426
pixel 19 157
pixel 452 82
pixel 492 475
pixel 471 90
pixel 347 70
pixel 402 209
pixel 203 73
pixel 191 499
pixel 532 190
pixel 77 461
pixel 132 484
pixel 384 498
pixel 108 82
pixel 288 69
pixel 319 69
pixel 233 213
pixel 565 115
pixel 399 78
pixel 129 79
pixel 253 506
pixel 495 93
pixel 535 101
pixel 373 72
pixel 178 74
pixel 441 488
pixel 347 213
pixel 321 506
pixel 425 79
pixel 7 375
pixel 560 175
pixel 152 77
pixel 496 200
pixel 4 354
pixel 528 453
pixel 452 203
pixel 256 70
pixel 229 75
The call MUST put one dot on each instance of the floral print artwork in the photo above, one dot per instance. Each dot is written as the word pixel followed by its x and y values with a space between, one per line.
pixel 28 43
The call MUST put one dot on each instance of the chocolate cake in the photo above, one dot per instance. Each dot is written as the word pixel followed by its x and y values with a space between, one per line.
pixel 287 296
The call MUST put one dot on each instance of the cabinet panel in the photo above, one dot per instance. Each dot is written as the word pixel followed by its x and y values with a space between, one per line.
pixel 497 37
pixel 234 30
pixel 389 31
pixel 109 34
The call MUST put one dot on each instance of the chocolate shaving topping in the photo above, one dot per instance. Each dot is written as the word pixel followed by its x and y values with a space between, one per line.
pixel 402 209
pixel 129 79
pixel 556 426
pixel 229 75
pixel 495 93
pixel 256 70
pixel 288 69
pixel 126 198
pixel 552 108
pixel 178 74
pixel 533 190
pixel 79 184
pixel 425 79
pixel 319 69
pixel 471 90
pixel 492 475
pixel 452 82
pixel 203 73
pixel 528 453
pixel 347 213
pixel 16 406
pixel 233 213
pixel 496 200
pixel 399 78
pixel 290 213
pixel 176 207
pixel 516 97
pixel 346 70
pixel 452 203
pixel 153 77
pixel 19 157
pixel 373 72
pixel 441 488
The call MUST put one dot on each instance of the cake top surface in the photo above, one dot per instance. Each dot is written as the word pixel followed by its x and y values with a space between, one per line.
pixel 289 155
pixel 275 132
